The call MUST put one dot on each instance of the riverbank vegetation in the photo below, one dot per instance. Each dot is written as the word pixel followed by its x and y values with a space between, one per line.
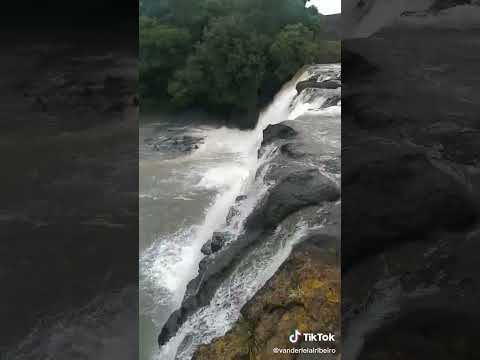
pixel 226 56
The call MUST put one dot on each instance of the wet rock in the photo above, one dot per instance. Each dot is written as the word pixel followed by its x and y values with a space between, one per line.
pixel 292 150
pixel 331 101
pixel 182 144
pixel 307 300
pixel 240 198
pixel 313 83
pixel 276 132
pixel 234 210
pixel 215 243
pixel 293 192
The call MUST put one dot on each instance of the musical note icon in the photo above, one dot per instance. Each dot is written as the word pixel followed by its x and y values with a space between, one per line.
pixel 294 337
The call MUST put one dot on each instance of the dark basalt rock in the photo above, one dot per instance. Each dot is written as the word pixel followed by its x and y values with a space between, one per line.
pixel 315 84
pixel 331 101
pixel 240 198
pixel 292 150
pixel 276 132
pixel 215 243
pixel 212 271
pixel 182 144
pixel 290 294
pixel 234 211
pixel 293 192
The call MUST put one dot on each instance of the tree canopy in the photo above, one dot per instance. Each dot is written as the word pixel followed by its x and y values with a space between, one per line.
pixel 226 55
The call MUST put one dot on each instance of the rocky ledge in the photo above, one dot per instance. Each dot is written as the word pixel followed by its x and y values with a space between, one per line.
pixel 304 294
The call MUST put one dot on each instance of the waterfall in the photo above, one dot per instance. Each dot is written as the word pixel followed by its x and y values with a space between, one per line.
pixel 225 166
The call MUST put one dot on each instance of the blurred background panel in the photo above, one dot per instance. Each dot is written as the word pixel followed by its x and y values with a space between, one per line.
pixel 69 184
pixel 410 179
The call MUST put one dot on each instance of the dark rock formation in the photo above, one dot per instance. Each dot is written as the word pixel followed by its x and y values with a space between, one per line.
pixel 331 101
pixel 215 243
pixel 240 198
pixel 306 300
pixel 277 132
pixel 292 150
pixel 234 210
pixel 315 84
pixel 179 144
pixel 295 191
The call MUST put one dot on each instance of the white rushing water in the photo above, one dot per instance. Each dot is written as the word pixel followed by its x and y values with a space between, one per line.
pixel 183 201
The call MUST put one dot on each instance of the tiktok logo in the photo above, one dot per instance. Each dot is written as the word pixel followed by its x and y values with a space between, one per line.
pixel 294 337
pixel 317 337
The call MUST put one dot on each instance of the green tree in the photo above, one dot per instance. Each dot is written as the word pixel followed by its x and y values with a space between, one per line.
pixel 227 68
pixel 292 48
pixel 228 56
pixel 162 49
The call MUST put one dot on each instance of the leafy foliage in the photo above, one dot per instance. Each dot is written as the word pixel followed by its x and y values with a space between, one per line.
pixel 226 55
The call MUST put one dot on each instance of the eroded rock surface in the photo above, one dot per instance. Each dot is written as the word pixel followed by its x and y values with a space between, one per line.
pixel 304 294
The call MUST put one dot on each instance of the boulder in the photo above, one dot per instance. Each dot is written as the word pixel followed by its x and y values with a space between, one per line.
pixel 277 131
pixel 315 84
pixel 292 150
pixel 295 191
pixel 331 101
pixel 215 243
pixel 234 210
pixel 240 198
pixel 182 144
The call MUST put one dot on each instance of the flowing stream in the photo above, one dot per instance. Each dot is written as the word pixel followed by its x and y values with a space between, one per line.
pixel 185 197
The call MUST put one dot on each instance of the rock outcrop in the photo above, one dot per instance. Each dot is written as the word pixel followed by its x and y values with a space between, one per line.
pixel 292 193
pixel 304 294
pixel 313 83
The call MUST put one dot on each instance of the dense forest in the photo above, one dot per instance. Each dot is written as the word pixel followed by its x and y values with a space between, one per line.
pixel 226 56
